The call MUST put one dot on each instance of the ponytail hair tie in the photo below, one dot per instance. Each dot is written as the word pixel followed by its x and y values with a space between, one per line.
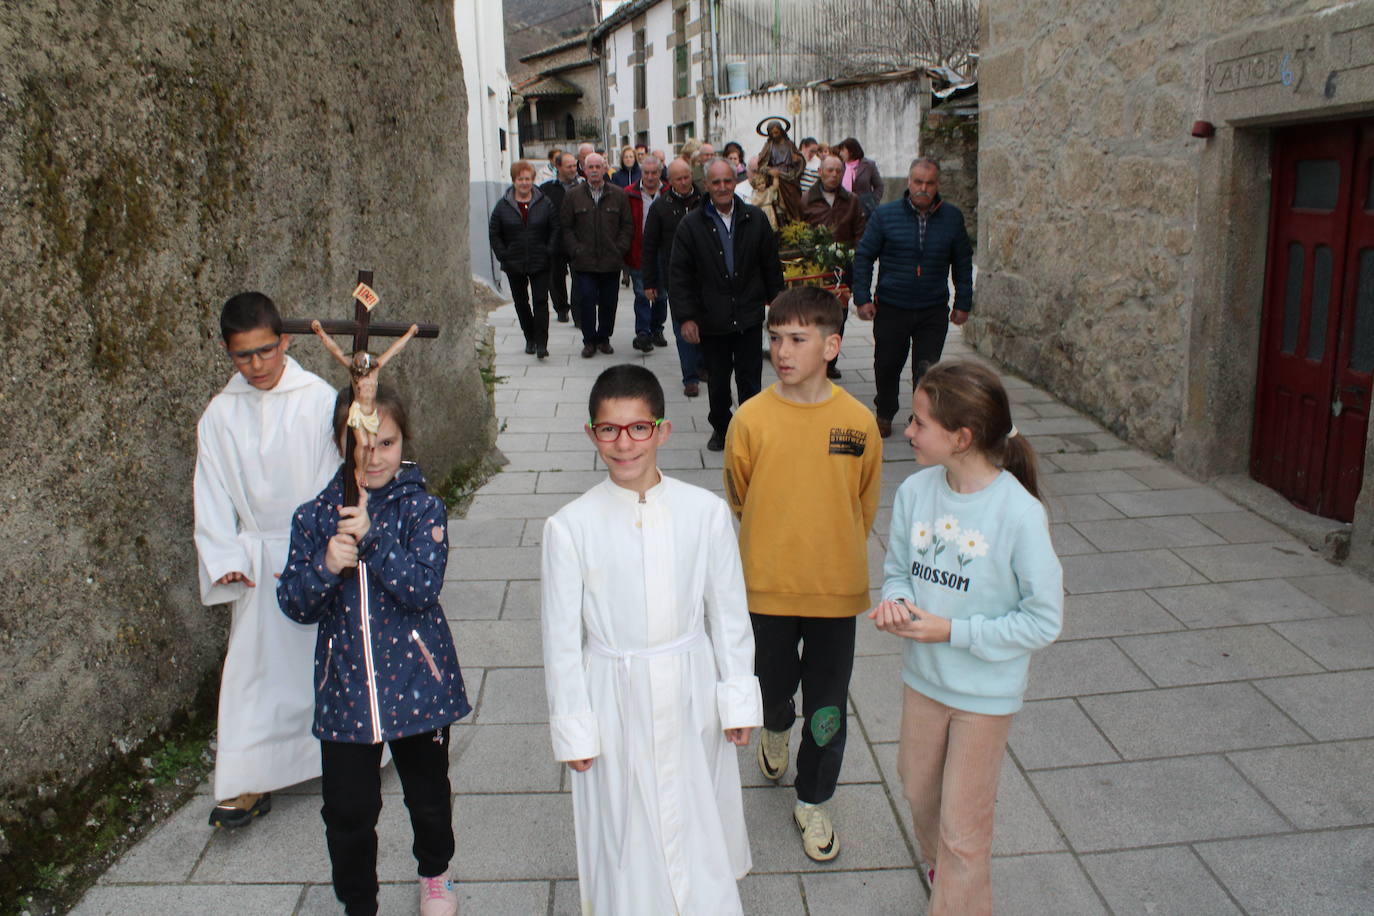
pixel 1013 433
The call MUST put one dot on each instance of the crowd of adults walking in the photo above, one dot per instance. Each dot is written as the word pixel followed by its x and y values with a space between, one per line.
pixel 696 237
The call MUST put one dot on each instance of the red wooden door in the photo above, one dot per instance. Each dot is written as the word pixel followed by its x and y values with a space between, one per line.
pixel 1317 338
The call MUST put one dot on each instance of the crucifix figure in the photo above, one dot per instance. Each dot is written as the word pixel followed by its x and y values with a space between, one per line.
pixel 363 367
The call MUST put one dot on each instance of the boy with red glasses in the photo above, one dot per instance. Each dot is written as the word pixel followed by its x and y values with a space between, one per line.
pixel 646 700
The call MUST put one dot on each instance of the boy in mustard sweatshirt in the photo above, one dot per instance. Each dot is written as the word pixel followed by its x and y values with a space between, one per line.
pixel 803 467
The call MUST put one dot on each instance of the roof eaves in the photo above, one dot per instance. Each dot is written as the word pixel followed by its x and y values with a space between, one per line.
pixel 554 49
pixel 623 12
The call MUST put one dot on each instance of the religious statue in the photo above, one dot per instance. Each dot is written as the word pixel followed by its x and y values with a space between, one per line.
pixel 363 367
pixel 783 162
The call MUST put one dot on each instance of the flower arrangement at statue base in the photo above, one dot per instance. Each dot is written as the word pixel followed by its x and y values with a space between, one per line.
pixel 811 257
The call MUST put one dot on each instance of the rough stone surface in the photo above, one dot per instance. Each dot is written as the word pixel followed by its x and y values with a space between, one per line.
pixel 157 158
pixel 1121 260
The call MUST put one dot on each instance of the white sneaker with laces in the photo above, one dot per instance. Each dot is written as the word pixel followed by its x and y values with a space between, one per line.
pixel 773 753
pixel 818 835
pixel 438 896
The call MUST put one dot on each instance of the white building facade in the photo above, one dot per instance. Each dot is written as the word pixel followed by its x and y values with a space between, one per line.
pixel 480 27
pixel 656 66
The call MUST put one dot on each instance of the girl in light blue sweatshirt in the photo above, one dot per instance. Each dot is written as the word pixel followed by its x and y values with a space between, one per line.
pixel 972 582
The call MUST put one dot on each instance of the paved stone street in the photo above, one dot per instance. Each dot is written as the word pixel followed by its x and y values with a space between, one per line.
pixel 1200 740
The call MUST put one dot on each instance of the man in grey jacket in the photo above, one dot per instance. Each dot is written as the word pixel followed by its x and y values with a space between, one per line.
pixel 597 231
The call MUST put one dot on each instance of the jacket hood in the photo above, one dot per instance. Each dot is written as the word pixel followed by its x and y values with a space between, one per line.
pixel 509 196
pixel 293 377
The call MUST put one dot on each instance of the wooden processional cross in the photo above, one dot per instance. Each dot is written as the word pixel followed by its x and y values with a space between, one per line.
pixel 363 366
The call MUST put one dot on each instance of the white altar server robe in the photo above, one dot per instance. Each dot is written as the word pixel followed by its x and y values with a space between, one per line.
pixel 649 655
pixel 260 454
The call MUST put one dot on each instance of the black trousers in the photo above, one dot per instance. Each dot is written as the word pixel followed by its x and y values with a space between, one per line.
pixel 533 316
pixel 822 669
pixel 737 354
pixel 352 786
pixel 598 290
pixel 558 289
pixel 895 332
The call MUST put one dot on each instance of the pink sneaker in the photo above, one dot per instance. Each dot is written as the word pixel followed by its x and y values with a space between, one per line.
pixel 438 896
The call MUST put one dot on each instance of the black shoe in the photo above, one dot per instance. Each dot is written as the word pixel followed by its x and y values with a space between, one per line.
pixel 529 349
pixel 562 317
pixel 588 350
pixel 691 389
pixel 660 340
pixel 605 347
pixel 542 352
pixel 643 343
pixel 238 812
pixel 832 372
pixel 577 322
pixel 716 443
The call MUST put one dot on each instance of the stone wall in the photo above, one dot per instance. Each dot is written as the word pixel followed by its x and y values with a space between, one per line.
pixel 158 157
pixel 1088 185
pixel 949 135
pixel 1121 259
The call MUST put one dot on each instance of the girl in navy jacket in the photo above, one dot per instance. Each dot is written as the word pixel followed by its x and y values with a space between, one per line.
pixel 385 665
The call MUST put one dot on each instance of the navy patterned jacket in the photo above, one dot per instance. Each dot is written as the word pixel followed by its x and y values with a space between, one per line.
pixel 385 665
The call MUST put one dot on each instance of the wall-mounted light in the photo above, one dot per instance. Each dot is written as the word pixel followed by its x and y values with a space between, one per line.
pixel 1203 129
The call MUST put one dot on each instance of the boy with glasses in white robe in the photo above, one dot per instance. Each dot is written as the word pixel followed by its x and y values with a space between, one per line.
pixel 648 660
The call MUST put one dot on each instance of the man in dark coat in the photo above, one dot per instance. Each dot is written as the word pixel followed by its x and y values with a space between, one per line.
pixel 659 231
pixel 920 240
pixel 555 190
pixel 597 231
pixel 829 204
pixel 725 271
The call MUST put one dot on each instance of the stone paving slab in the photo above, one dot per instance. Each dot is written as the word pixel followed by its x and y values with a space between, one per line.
pixel 1176 800
pixel 1317 785
pixel 1231 603
pixel 1190 720
pixel 1184 748
pixel 1126 613
pixel 1058 733
pixel 1344 593
pixel 1164 881
pixel 1204 656
pixel 1324 704
pixel 1308 874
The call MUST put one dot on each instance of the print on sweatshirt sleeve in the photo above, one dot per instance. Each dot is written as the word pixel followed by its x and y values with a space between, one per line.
pixel 847 441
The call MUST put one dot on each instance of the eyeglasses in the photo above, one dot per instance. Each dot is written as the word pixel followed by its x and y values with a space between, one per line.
pixel 639 431
pixel 243 357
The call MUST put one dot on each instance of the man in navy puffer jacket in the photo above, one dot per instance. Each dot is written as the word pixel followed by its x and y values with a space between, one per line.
pixel 919 240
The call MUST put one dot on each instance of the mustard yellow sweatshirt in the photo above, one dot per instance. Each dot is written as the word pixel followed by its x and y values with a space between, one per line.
pixel 803 480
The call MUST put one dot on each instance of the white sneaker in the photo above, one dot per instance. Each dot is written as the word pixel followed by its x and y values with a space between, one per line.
pixel 773 753
pixel 438 896
pixel 818 835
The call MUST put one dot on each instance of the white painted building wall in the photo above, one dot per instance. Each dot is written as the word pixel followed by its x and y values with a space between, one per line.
pixel 617 47
pixel 884 117
pixel 480 27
